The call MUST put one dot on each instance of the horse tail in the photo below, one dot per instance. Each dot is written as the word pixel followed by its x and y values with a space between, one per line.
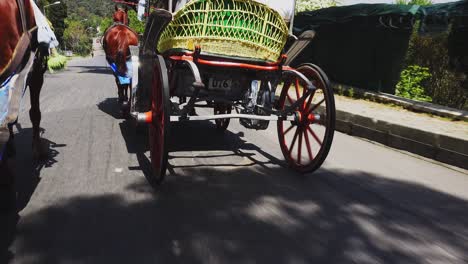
pixel 121 58
pixel 120 61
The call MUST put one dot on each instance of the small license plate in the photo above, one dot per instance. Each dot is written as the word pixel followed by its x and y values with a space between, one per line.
pixel 219 85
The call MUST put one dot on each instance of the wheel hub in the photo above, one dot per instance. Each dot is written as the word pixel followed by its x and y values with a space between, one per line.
pixel 304 119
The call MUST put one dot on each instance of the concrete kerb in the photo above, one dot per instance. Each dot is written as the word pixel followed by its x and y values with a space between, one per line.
pixel 409 104
pixel 442 148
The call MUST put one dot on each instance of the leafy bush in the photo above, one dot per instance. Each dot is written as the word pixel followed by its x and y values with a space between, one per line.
pixel 77 39
pixel 431 52
pixel 56 63
pixel 134 23
pixel 105 23
pixel 413 2
pixel 411 83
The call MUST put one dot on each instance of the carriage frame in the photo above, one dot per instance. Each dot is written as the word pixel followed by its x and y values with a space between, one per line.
pixel 189 75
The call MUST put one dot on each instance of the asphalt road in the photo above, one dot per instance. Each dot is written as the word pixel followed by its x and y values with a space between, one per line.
pixel 228 197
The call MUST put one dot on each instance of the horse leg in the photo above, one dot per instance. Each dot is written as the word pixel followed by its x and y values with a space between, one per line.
pixel 120 91
pixel 125 107
pixel 10 130
pixel 35 83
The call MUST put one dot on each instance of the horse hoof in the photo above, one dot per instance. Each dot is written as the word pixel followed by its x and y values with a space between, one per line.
pixel 125 109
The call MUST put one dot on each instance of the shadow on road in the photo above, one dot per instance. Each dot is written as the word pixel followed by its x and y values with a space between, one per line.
pixel 194 136
pixel 26 171
pixel 111 107
pixel 251 216
pixel 26 177
pixel 93 69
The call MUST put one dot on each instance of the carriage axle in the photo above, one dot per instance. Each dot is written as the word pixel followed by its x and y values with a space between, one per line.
pixel 147 117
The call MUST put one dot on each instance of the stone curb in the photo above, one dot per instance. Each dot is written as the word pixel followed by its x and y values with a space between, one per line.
pixel 449 150
pixel 409 104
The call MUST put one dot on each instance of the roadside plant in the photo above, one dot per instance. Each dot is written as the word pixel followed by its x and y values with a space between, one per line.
pixel 57 62
pixel 413 2
pixel 411 83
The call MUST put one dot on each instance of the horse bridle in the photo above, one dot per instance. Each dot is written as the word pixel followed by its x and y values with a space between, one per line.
pixel 24 44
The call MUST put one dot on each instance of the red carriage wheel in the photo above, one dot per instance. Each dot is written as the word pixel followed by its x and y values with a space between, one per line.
pixel 305 143
pixel 159 127
pixel 219 109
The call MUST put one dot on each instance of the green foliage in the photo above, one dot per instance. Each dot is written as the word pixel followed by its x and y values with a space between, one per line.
pixel 443 86
pixel 56 15
pixel 413 2
pixel 350 92
pixel 411 83
pixel 76 38
pixel 431 52
pixel 105 23
pixel 57 62
pixel 84 9
pixel 134 23
pixel 309 5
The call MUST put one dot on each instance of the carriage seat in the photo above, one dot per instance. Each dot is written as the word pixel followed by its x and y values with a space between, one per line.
pixel 230 28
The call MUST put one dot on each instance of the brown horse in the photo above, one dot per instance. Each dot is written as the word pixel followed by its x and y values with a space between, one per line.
pixel 15 28
pixel 116 42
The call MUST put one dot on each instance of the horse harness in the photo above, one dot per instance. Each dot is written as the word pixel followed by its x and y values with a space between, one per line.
pixel 23 46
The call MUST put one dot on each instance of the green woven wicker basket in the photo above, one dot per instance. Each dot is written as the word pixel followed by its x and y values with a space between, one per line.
pixel 240 28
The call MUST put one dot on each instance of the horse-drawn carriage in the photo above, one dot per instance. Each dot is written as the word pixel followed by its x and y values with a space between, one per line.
pixel 230 55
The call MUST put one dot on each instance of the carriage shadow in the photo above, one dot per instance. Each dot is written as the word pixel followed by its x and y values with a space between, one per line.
pixel 187 140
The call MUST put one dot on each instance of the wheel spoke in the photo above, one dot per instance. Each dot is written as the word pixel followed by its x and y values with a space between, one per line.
pixel 287 130
pixel 316 106
pixel 303 91
pixel 289 99
pixel 309 148
pixel 314 135
pixel 293 141
pixel 285 89
pixel 309 101
pixel 299 150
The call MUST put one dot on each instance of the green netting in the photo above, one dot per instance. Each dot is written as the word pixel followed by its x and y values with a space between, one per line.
pixel 437 18
pixel 345 14
pixel 241 28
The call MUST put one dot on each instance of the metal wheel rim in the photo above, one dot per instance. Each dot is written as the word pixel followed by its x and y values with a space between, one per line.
pixel 298 150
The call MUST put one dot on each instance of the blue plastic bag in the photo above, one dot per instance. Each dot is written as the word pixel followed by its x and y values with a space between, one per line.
pixel 124 78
